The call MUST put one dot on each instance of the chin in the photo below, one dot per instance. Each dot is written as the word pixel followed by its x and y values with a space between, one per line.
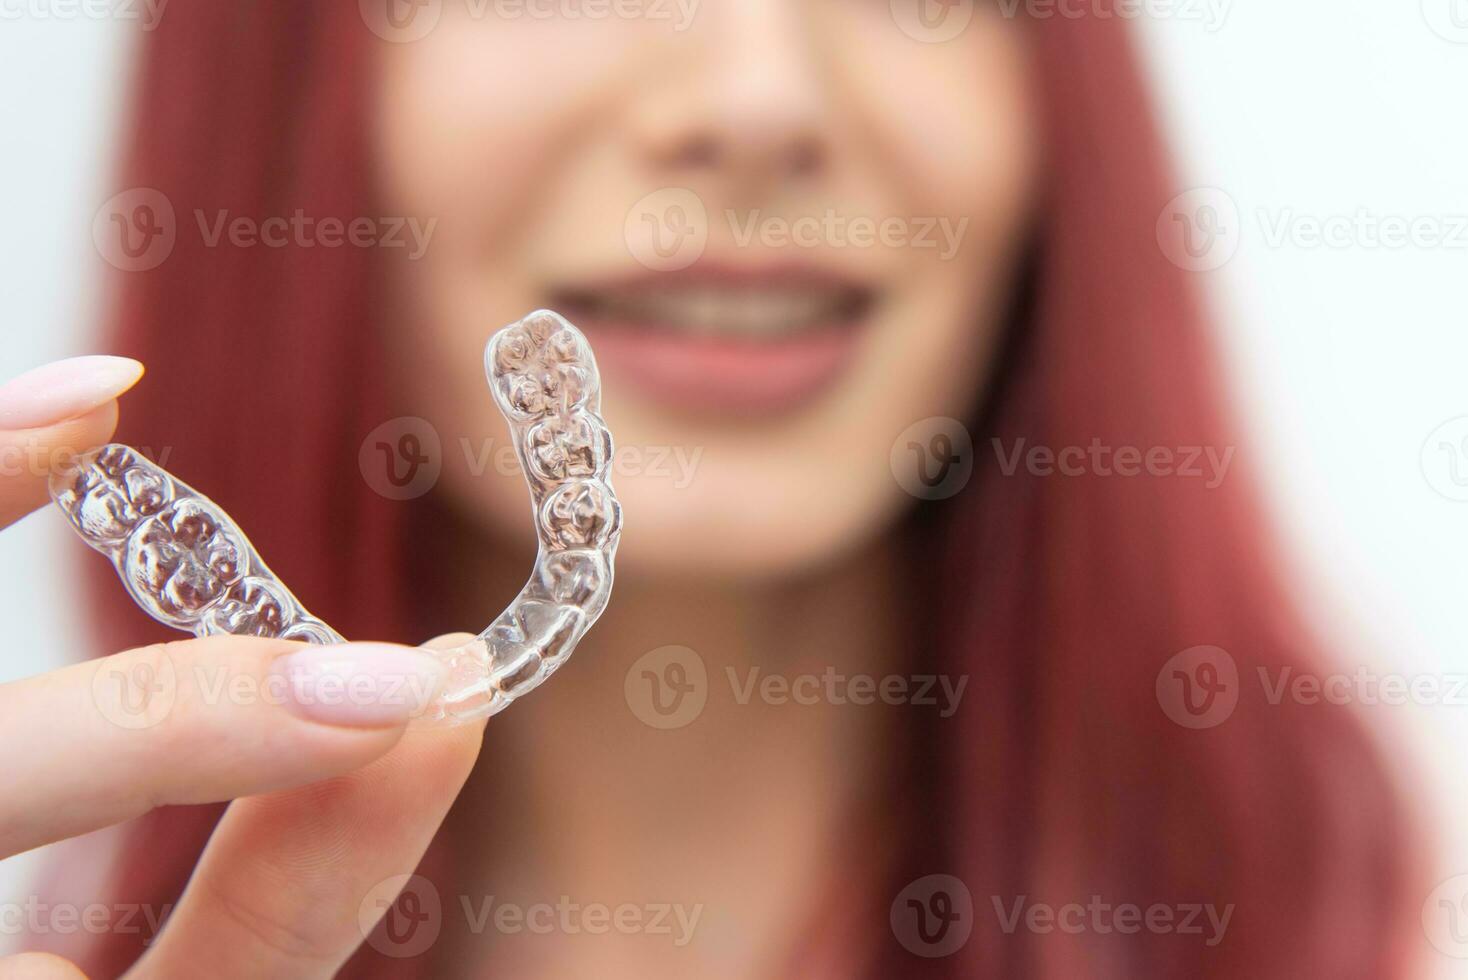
pixel 710 536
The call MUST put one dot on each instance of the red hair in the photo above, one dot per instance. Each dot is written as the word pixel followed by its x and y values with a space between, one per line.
pixel 1061 777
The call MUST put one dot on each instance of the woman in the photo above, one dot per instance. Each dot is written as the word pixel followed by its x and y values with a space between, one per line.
pixel 633 171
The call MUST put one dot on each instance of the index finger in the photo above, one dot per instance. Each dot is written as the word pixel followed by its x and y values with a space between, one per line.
pixel 196 721
pixel 292 883
pixel 50 413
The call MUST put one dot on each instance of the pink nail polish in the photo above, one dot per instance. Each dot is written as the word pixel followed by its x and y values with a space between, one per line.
pixel 358 685
pixel 64 390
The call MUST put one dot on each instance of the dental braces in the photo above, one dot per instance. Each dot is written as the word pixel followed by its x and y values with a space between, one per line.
pixel 189 566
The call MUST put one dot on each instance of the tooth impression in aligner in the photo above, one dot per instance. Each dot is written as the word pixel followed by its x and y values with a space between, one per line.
pixel 189 566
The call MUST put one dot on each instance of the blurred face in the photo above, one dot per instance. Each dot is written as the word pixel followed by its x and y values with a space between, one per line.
pixel 788 228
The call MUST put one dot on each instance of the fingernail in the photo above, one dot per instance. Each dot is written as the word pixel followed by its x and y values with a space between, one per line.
pixel 358 685
pixel 65 390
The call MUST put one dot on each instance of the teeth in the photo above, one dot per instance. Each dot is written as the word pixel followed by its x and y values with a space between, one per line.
pixel 705 310
pixel 715 311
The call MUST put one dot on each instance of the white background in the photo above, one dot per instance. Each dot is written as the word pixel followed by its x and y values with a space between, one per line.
pixel 1349 356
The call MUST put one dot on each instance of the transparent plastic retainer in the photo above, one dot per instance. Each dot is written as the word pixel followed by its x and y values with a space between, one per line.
pixel 189 566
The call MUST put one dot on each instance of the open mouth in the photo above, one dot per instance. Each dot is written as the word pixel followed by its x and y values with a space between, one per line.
pixel 737 311
pixel 723 340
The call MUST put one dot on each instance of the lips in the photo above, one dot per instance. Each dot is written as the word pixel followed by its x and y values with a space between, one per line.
pixel 723 340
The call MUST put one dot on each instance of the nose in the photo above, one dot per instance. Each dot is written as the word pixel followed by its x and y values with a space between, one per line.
pixel 738 97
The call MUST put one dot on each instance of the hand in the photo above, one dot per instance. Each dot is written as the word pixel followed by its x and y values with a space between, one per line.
pixel 331 794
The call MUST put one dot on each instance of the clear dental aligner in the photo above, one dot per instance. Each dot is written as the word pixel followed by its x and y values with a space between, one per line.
pixel 188 565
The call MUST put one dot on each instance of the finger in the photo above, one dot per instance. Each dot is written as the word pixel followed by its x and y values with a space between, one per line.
pixel 51 413
pixel 193 722
pixel 39 966
pixel 284 884
pixel 27 458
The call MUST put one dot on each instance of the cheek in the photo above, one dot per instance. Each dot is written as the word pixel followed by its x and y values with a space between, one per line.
pixel 474 117
pixel 952 124
pixel 952 127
